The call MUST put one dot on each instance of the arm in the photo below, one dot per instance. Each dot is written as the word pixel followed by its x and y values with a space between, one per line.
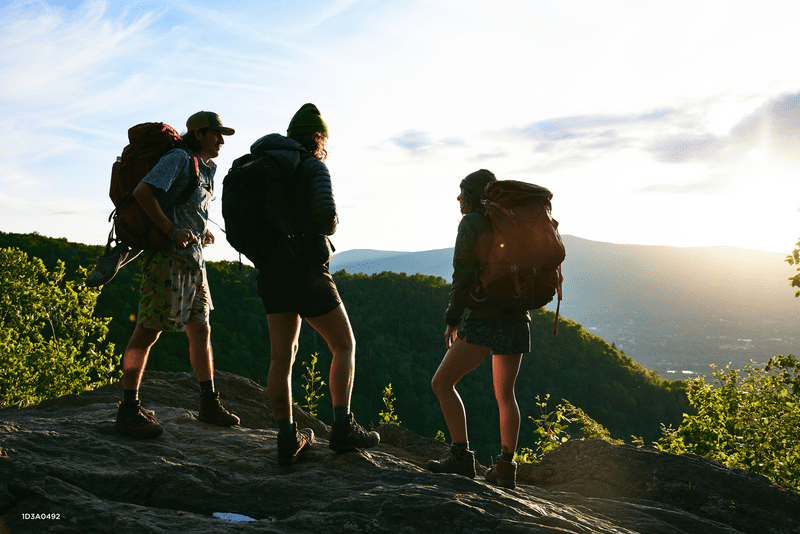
pixel 145 195
pixel 160 179
pixel 465 266
pixel 321 203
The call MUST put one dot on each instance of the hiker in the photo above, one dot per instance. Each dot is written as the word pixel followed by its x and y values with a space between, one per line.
pixel 175 295
pixel 295 284
pixel 497 325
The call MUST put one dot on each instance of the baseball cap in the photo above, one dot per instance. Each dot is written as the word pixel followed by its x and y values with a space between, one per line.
pixel 207 119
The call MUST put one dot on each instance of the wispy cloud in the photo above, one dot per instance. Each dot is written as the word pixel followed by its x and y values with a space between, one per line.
pixel 713 185
pixel 61 58
pixel 419 142
pixel 775 127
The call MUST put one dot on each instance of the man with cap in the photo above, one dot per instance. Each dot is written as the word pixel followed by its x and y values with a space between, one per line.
pixel 298 286
pixel 174 292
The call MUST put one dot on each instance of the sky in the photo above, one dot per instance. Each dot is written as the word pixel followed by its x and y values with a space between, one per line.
pixel 662 123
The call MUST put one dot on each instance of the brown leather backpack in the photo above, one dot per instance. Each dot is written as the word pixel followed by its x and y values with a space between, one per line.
pixel 521 258
pixel 135 230
pixel 148 143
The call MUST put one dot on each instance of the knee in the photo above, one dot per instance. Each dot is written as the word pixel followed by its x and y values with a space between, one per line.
pixel 505 398
pixel 345 346
pixel 440 386
pixel 142 339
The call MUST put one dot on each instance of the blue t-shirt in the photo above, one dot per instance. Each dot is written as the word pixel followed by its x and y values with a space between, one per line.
pixel 170 176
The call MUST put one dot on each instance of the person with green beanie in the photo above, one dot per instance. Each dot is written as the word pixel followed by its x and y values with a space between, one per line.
pixel 307 120
pixel 301 287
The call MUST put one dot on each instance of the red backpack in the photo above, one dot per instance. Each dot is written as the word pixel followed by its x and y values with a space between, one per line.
pixel 148 143
pixel 135 230
pixel 521 257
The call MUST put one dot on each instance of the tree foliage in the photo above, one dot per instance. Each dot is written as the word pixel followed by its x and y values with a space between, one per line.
pixel 398 322
pixel 748 419
pixel 552 426
pixel 388 417
pixel 311 383
pixel 794 259
pixel 50 342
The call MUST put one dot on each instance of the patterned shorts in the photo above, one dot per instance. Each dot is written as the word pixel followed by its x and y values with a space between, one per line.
pixel 173 294
pixel 501 336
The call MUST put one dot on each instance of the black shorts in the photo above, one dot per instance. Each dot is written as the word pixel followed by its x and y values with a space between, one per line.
pixel 306 289
pixel 500 335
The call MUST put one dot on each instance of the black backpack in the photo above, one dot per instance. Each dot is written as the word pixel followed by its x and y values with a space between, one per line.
pixel 260 198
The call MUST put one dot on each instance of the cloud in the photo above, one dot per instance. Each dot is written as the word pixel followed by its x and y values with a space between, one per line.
pixel 588 126
pixel 421 142
pixel 682 149
pixel 713 185
pixel 775 126
pixel 54 56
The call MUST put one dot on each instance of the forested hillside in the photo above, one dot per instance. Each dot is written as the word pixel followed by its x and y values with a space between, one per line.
pixel 398 324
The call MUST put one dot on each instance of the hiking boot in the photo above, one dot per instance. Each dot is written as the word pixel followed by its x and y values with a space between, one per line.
pixel 503 473
pixel 458 460
pixel 137 422
pixel 213 411
pixel 347 436
pixel 290 447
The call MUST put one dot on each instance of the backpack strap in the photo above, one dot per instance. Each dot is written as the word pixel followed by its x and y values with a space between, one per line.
pixel 193 182
pixel 558 306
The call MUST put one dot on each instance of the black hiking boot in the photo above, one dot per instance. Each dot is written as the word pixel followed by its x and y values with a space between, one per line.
pixel 458 460
pixel 503 473
pixel 290 447
pixel 213 411
pixel 348 436
pixel 137 422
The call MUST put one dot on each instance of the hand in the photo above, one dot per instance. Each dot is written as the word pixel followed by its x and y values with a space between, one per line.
pixel 184 238
pixel 450 335
pixel 208 239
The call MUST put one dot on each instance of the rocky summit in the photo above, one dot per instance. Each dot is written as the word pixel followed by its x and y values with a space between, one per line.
pixel 63 468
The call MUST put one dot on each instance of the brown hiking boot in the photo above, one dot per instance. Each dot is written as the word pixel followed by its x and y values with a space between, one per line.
pixel 290 447
pixel 458 460
pixel 137 422
pixel 348 436
pixel 503 473
pixel 213 411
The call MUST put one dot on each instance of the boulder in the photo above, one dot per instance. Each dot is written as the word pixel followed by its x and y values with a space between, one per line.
pixel 64 469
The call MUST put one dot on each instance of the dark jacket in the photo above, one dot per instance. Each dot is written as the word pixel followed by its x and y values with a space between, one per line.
pixel 466 270
pixel 317 216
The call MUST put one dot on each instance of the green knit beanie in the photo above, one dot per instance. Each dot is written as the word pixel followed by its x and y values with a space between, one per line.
pixel 477 181
pixel 307 120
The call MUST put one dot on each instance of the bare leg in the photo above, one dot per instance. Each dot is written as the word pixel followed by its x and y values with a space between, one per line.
pixel 135 358
pixel 334 327
pixel 200 351
pixel 505 369
pixel 284 330
pixel 460 359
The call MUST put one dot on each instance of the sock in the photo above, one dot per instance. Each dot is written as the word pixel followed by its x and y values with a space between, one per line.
pixel 207 387
pixel 340 413
pixel 130 395
pixel 507 456
pixel 285 427
pixel 464 444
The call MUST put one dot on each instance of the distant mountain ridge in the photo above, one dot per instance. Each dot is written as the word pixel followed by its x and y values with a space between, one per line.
pixel 672 309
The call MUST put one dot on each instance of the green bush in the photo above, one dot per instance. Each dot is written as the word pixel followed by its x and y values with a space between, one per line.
pixel 747 419
pixel 552 426
pixel 50 344
pixel 388 417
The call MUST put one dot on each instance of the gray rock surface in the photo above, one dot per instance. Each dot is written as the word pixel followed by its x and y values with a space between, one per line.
pixel 64 469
